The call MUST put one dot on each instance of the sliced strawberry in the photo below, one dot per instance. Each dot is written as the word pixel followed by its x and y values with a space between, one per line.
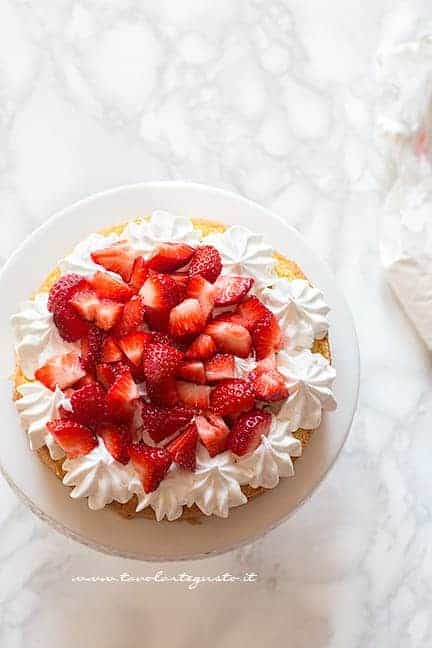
pixel 151 464
pixel 91 348
pixel 213 433
pixel 160 292
pixel 118 258
pixel 202 290
pixel 162 338
pixel 139 274
pixel 206 262
pixel 89 404
pixel 163 422
pixel 108 313
pixel 63 289
pixel 61 370
pixel 157 319
pixel 160 361
pixel 186 319
pixel 183 448
pixel 133 346
pixel 170 256
pixel 266 336
pixel 230 338
pixel 232 289
pixel 163 393
pixel 108 287
pixel 248 430
pixel 132 317
pixel 220 367
pixel 201 348
pixel 268 385
pixel 232 396
pixel 75 439
pixel 107 373
pixel 121 396
pixel 88 379
pixel 250 311
pixel 193 395
pixel 117 440
pixel 193 371
pixel 70 325
pixel 181 278
pixel 110 351
pixel 85 302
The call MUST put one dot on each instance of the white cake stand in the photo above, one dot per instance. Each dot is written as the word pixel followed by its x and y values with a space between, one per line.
pixel 140 538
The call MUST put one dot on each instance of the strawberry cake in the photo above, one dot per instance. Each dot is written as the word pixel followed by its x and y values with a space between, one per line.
pixel 171 367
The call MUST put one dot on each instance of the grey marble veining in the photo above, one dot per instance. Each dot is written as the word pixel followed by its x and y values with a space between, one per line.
pixel 275 100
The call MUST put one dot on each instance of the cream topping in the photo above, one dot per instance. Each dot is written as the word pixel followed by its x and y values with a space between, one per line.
pixel 168 499
pixel 162 227
pixel 80 261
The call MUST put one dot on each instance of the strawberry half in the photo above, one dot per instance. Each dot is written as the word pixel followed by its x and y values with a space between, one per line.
pixel 64 288
pixel 230 338
pixel 250 311
pixel 121 396
pixel 108 287
pixel 89 404
pixel 133 346
pixel 85 302
pixel 163 393
pixel 118 258
pixel 232 396
pixel 170 256
pixel 202 290
pixel 266 336
pixel 117 440
pixel 107 373
pixel 193 395
pixel 220 367
pixel 268 385
pixel 163 422
pixel 91 348
pixel 151 464
pixel 232 289
pixel 206 262
pixel 110 351
pixel 183 448
pixel 132 316
pixel 186 319
pixel 61 370
pixel 201 348
pixel 75 439
pixel 108 313
pixel 139 274
pixel 160 361
pixel 69 324
pixel 248 430
pixel 160 292
pixel 213 433
pixel 193 371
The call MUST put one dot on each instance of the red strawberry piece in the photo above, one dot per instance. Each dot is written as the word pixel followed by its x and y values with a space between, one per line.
pixel 107 373
pixel 170 256
pixel 91 348
pixel 220 367
pixel 132 317
pixel 163 393
pixel 69 325
pixel 108 287
pixel 250 311
pixel 162 338
pixel 213 433
pixel 88 379
pixel 61 371
pixel 181 279
pixel 117 440
pixel 89 404
pixel 230 338
pixel 139 274
pixel 248 430
pixel 157 319
pixel 108 313
pixel 232 396
pixel 133 346
pixel 85 302
pixel 121 396
pixel 118 258
pixel 193 371
pixel 160 361
pixel 201 289
pixel 201 348
pixel 206 262
pixel 232 289
pixel 266 336
pixel 151 464
pixel 193 395
pixel 63 289
pixel 75 439
pixel 163 422
pixel 183 448
pixel 65 414
pixel 186 319
pixel 268 385
pixel 160 292
pixel 110 351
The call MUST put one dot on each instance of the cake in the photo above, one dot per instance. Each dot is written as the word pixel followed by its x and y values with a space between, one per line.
pixel 172 368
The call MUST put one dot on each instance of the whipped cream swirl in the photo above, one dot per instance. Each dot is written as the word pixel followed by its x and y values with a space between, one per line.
pixel 168 499
pixel 80 261
pixel 162 227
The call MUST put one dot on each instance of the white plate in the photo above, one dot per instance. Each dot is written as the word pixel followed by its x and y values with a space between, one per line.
pixel 139 538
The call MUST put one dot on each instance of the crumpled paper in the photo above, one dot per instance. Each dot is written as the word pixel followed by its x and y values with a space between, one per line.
pixel 405 128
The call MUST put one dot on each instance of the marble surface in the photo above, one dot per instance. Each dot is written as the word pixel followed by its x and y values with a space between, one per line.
pixel 274 100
